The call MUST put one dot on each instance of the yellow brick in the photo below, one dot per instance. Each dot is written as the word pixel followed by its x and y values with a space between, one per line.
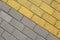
pixel 25 3
pixel 49 18
pixel 47 8
pixel 47 1
pixel 58 35
pixel 57 15
pixel 26 12
pixel 56 5
pixel 38 20
pixel 36 2
pixel 4 0
pixel 58 1
pixel 58 24
pixel 36 10
pixel 13 4
pixel 51 28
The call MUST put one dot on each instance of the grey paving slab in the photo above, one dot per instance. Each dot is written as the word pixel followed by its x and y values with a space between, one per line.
pixel 5 16
pixel 28 22
pixel 1 30
pixel 40 38
pixel 8 36
pixel 1 38
pixel 19 35
pixel 17 24
pixel 30 33
pixel 41 31
pixel 7 26
pixel 51 37
pixel 15 14
pixel 4 6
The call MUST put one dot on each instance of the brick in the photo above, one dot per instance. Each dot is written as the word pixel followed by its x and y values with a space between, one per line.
pixel 5 16
pixel 1 20
pixel 41 31
pixel 26 12
pixel 1 30
pixel 58 35
pixel 56 5
pixel 47 8
pixel 49 18
pixel 8 36
pixel 51 37
pixel 51 28
pixel 47 1
pixel 29 33
pixel 15 14
pixel 40 38
pixel 58 1
pixel 36 10
pixel 7 26
pixel 1 38
pixel 13 4
pixel 17 24
pixel 57 15
pixel 4 0
pixel 4 6
pixel 28 22
pixel 25 3
pixel 19 35
pixel 38 20
pixel 58 24
pixel 36 2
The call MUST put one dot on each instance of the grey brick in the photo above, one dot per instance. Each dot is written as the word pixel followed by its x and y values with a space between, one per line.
pixel 8 36
pixel 4 6
pixel 28 22
pixel 19 35
pixel 1 38
pixel 29 33
pixel 5 16
pixel 1 20
pixel 51 37
pixel 15 14
pixel 17 24
pixel 40 31
pixel 7 26
pixel 1 30
pixel 40 38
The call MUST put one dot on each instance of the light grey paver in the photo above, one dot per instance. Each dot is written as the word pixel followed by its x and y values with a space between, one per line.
pixel 1 38
pixel 19 35
pixel 5 16
pixel 1 30
pixel 6 26
pixel 40 31
pixel 8 36
pixel 17 24
pixel 40 38
pixel 28 22
pixel 30 33
pixel 51 37
pixel 15 14
pixel 4 6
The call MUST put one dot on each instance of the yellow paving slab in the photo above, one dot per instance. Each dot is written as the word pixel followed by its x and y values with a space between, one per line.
pixel 38 20
pixel 36 2
pixel 58 24
pixel 25 3
pixel 58 1
pixel 56 5
pixel 49 18
pixel 36 10
pixel 46 8
pixel 13 4
pixel 51 28
pixel 26 12
pixel 57 15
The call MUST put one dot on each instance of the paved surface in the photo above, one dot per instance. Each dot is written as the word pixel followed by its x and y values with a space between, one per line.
pixel 29 20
